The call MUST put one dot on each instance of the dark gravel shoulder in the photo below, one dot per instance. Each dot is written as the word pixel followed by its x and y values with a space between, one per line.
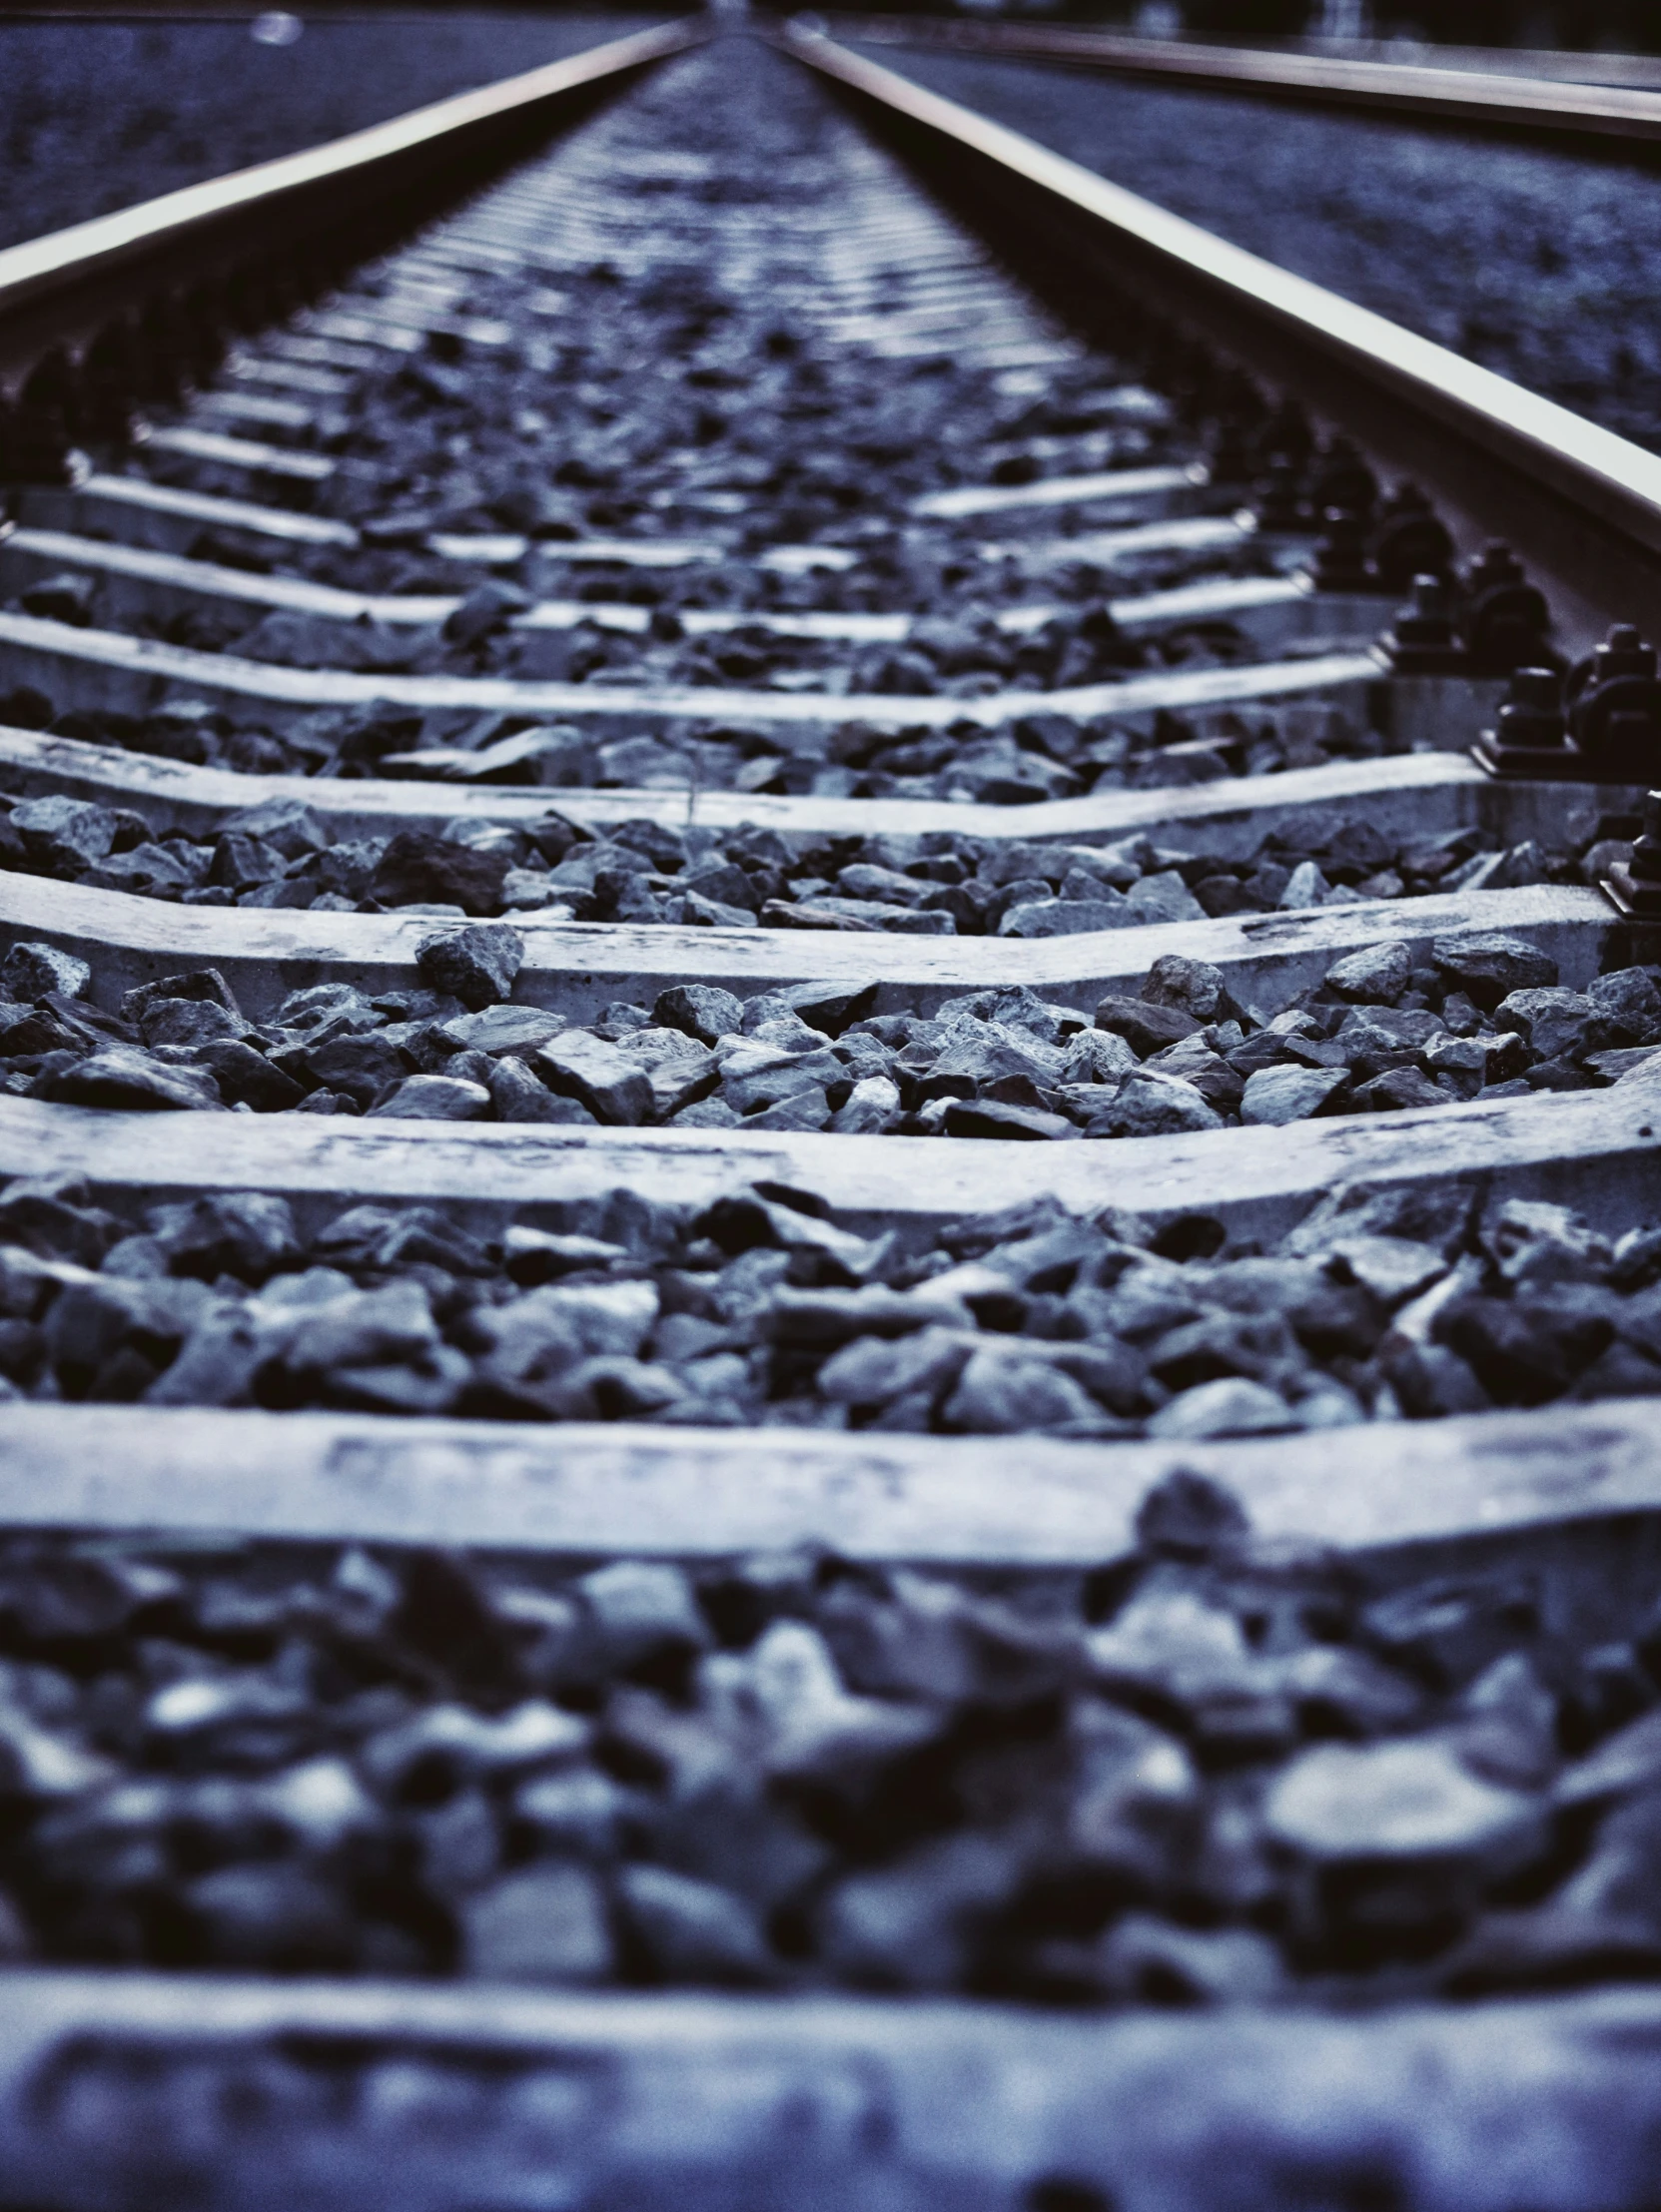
pixel 1537 263
pixel 96 115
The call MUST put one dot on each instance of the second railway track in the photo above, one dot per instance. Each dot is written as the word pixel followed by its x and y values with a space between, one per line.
pixel 828 1276
pixel 1607 101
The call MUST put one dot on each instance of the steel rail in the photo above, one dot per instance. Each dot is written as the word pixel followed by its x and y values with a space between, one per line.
pixel 1489 96
pixel 1582 66
pixel 1582 504
pixel 59 291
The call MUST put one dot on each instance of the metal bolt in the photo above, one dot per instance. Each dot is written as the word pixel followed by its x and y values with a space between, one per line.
pixel 1532 713
pixel 1496 564
pixel 1427 619
pixel 1503 618
pixel 1623 653
pixel 1645 863
pixel 1423 641
pixel 1279 499
pixel 1409 539
pixel 1340 563
pixel 1616 710
pixel 1344 479
pixel 1287 436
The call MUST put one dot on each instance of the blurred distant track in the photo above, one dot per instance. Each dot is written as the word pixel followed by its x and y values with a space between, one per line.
pixel 1479 90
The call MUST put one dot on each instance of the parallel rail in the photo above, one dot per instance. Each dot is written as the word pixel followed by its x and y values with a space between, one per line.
pixel 1582 504
pixel 1487 91
pixel 150 280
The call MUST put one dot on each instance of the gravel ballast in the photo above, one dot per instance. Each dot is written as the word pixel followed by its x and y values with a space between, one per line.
pixel 1478 1016
pixel 729 419
pixel 759 1310
pixel 279 854
pixel 381 1637
pixel 1206 1772
pixel 1039 755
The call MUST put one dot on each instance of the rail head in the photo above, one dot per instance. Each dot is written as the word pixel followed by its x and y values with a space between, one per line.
pixel 1495 96
pixel 1583 504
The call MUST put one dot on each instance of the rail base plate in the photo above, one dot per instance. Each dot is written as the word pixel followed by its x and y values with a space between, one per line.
pixel 1551 764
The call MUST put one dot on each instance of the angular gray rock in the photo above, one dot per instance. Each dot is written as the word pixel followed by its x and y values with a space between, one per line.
pixel 692 1930
pixel 477 966
pixel 63 833
pixel 1487 966
pixel 680 1069
pixel 120 1075
pixel 1405 1802
pixel 1162 897
pixel 1001 1394
pixel 545 1923
pixel 1559 1025
pixel 1145 1028
pixel 996 1118
pixel 31 971
pixel 1228 1406
pixel 501 1029
pixel 1066 917
pixel 434 1098
pixel 1096 1056
pixel 756 1074
pixel 518 1096
pixel 612 1085
pixel 701 1010
pixel 1150 1103
pixel 910 1926
pixel 870 1371
pixel 1399 1089
pixel 189 1022
pixel 638 1609
pixel 1376 976
pixel 1191 987
pixel 873 1102
pixel 1275 1096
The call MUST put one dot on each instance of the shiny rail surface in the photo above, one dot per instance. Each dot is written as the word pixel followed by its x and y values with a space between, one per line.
pixel 63 289
pixel 1582 504
pixel 1557 97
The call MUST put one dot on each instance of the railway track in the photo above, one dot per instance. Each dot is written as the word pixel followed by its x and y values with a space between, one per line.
pixel 1609 101
pixel 959 1503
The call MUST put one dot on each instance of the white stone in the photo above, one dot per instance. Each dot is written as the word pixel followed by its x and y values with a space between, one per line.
pixel 1393 1801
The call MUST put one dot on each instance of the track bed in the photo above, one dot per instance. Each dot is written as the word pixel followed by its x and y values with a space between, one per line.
pixel 830 1312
